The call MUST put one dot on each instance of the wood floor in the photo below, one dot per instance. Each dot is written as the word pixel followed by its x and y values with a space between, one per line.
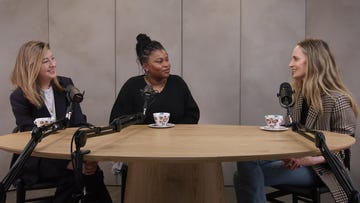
pixel 116 195
pixel 114 192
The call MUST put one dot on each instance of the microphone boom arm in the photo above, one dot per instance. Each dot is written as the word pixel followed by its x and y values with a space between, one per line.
pixel 80 137
pixel 37 134
pixel 335 165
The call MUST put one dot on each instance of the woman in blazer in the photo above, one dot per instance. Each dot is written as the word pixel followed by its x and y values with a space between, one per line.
pixel 322 102
pixel 41 93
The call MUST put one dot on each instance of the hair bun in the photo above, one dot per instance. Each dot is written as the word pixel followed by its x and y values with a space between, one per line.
pixel 143 39
pixel 145 46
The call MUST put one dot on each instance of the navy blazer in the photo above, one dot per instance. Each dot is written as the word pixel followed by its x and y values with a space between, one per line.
pixel 25 113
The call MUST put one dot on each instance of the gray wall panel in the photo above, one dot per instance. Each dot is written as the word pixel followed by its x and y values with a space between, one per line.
pixel 211 58
pixel 82 35
pixel 270 29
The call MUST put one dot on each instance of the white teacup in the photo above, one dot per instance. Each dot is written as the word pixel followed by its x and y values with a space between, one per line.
pixel 44 121
pixel 161 118
pixel 273 121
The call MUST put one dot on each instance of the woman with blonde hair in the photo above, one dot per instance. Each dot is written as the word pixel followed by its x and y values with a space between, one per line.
pixel 38 93
pixel 322 102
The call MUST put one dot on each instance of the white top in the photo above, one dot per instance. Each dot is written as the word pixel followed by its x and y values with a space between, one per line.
pixel 49 100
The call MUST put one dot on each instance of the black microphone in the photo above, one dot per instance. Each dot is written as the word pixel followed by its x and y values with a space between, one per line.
pixel 73 94
pixel 285 95
pixel 285 100
pixel 148 93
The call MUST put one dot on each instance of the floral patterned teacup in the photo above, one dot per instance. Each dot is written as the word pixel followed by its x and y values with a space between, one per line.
pixel 43 121
pixel 161 118
pixel 273 121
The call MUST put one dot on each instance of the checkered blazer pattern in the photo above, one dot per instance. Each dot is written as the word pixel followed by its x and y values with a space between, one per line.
pixel 337 116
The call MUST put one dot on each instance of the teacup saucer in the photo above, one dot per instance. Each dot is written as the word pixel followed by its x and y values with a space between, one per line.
pixel 168 125
pixel 281 128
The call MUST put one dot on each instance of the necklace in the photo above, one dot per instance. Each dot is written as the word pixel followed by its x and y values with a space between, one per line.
pixel 157 86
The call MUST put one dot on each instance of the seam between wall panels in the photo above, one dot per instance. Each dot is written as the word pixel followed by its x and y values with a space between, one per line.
pixel 115 60
pixel 182 38
pixel 48 20
pixel 240 58
pixel 306 14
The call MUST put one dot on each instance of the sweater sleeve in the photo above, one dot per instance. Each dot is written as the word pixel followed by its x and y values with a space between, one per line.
pixel 343 118
pixel 22 110
pixel 123 104
pixel 191 110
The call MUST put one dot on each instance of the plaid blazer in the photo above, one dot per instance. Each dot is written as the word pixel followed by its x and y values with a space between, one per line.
pixel 337 116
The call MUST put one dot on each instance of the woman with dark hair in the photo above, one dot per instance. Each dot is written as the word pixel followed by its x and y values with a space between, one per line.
pixel 322 102
pixel 172 93
pixel 38 93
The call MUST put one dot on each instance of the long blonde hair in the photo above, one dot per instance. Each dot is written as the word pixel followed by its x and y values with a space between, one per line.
pixel 26 70
pixel 322 75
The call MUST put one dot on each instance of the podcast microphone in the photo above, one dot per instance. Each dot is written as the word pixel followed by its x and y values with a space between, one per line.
pixel 285 95
pixel 125 120
pixel 285 100
pixel 148 93
pixel 73 94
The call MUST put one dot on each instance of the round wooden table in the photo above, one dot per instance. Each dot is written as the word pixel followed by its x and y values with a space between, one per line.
pixel 183 163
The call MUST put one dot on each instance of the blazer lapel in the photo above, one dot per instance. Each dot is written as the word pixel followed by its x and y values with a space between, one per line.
pixel 43 112
pixel 311 118
pixel 297 109
pixel 60 103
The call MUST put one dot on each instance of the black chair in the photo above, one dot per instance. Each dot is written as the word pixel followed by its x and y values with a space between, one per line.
pixel 123 173
pixel 22 188
pixel 305 194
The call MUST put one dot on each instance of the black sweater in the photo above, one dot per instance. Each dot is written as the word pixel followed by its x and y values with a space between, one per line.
pixel 175 98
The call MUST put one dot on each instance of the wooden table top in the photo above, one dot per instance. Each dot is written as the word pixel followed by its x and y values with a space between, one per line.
pixel 182 143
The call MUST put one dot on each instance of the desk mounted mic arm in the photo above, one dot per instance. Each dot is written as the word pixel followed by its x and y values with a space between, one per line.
pixel 80 138
pixel 37 134
pixel 290 120
pixel 335 165
pixel 116 125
